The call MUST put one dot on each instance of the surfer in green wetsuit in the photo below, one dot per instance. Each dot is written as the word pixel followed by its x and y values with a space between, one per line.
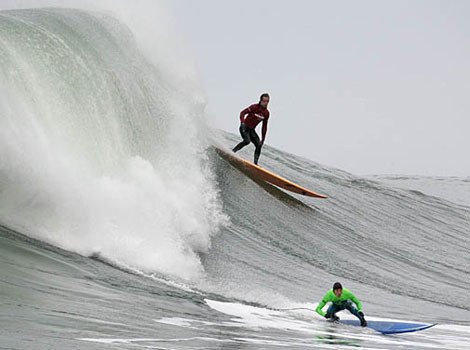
pixel 340 299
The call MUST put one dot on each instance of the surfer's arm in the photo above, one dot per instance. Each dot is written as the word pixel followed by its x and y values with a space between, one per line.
pixel 357 302
pixel 244 113
pixel 321 305
pixel 265 129
pixel 319 308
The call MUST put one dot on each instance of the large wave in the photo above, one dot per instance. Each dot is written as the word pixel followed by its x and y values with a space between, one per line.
pixel 103 153
pixel 101 149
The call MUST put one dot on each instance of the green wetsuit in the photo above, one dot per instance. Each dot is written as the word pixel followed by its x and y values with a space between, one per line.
pixel 330 296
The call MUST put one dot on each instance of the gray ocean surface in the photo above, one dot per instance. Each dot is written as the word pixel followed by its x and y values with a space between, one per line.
pixel 122 228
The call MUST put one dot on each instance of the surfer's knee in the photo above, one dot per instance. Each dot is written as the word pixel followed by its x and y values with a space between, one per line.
pixel 349 306
pixel 245 142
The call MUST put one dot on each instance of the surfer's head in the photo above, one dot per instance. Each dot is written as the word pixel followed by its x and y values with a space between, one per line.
pixel 264 100
pixel 338 289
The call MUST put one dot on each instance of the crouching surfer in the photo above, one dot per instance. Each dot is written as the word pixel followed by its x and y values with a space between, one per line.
pixel 340 299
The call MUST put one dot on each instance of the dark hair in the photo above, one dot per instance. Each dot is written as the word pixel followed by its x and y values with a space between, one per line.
pixel 337 285
pixel 263 96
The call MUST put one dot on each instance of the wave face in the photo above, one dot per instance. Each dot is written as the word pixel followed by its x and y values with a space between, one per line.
pixel 120 225
pixel 378 238
pixel 100 153
pixel 454 189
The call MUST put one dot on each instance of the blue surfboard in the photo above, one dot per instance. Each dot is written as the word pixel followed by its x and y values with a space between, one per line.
pixel 388 327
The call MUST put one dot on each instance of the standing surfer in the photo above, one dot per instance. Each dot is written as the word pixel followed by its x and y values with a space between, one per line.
pixel 341 299
pixel 250 117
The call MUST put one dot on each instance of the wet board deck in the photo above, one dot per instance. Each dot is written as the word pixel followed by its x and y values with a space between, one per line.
pixel 388 327
pixel 268 176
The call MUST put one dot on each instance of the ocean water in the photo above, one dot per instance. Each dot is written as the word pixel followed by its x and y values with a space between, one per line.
pixel 452 188
pixel 121 227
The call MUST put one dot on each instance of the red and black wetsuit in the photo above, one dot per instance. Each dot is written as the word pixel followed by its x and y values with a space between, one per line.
pixel 250 117
pixel 256 115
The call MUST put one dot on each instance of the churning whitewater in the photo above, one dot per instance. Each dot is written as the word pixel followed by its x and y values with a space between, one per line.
pixel 93 158
pixel 122 227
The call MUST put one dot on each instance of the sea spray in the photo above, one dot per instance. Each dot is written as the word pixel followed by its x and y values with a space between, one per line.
pixel 101 151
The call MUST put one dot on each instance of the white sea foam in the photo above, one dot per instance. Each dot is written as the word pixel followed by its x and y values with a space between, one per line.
pixel 101 146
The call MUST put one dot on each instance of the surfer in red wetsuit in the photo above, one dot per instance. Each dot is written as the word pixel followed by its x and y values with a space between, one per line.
pixel 250 117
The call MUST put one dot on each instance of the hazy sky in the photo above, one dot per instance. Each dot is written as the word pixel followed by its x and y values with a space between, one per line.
pixel 367 86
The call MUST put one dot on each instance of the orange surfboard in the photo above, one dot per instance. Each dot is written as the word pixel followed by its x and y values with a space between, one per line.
pixel 265 175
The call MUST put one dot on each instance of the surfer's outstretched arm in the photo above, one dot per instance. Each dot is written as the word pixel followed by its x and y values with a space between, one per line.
pixel 322 304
